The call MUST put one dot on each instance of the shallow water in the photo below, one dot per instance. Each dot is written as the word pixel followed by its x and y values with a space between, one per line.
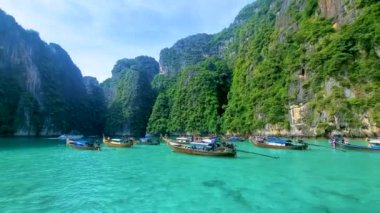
pixel 41 175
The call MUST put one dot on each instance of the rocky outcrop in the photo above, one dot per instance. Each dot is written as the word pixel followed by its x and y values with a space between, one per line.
pixel 331 8
pixel 296 67
pixel 97 108
pixel 130 96
pixel 341 11
pixel 44 92
pixel 184 52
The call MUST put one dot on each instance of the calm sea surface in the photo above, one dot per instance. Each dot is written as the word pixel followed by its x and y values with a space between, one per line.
pixel 42 175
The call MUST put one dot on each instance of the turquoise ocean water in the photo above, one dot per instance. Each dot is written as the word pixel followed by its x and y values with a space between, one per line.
pixel 42 175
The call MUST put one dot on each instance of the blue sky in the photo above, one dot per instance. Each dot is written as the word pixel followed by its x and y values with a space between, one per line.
pixel 96 33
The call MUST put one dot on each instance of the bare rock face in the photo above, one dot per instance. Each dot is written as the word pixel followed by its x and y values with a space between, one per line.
pixel 342 11
pixel 331 8
pixel 296 114
pixel 24 57
pixel 329 85
pixel 368 127
pixel 273 129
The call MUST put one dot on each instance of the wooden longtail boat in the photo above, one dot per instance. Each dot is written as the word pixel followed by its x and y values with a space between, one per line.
pixel 338 140
pixel 82 145
pixel 121 143
pixel 201 149
pixel 277 143
pixel 369 148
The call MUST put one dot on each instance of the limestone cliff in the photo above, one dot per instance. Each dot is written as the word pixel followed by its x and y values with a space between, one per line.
pixel 323 94
pixel 41 88
pixel 130 96
pixel 299 68
pixel 184 52
pixel 96 105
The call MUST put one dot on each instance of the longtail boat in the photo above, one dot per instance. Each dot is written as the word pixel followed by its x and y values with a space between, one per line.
pixel 373 146
pixel 338 138
pixel 82 145
pixel 122 143
pixel 201 148
pixel 277 143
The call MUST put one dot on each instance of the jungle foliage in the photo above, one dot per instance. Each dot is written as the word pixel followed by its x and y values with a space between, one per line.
pixel 277 58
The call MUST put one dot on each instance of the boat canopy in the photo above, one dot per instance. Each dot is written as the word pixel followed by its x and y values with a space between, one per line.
pixel 374 141
pixel 80 142
pixel 182 138
pixel 277 140
pixel 233 138
pixel 200 143
pixel 207 140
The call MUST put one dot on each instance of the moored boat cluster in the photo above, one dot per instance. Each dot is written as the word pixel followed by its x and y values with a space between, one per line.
pixel 213 146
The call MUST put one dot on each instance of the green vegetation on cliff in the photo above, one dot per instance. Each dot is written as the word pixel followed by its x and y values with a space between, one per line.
pixel 257 95
pixel 322 57
pixel 194 103
pixel 301 67
pixel 267 69
pixel 132 96
pixel 349 56
pixel 96 105
pixel 9 96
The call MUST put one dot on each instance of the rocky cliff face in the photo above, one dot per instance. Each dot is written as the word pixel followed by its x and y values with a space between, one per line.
pixel 184 52
pixel 130 96
pixel 96 105
pixel 322 98
pixel 299 67
pixel 42 90
pixel 340 11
